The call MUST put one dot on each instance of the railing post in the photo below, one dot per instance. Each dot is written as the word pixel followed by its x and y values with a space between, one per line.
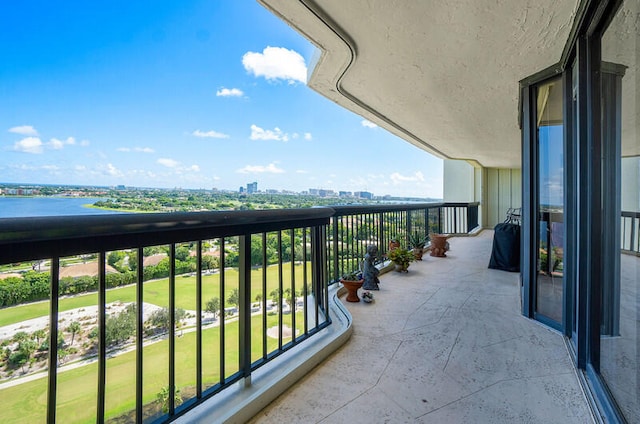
pixel 336 260
pixel 199 320
pixel 244 295
pixel 102 331
pixel 381 244
pixel 139 334
pixel 172 329
pixel 318 258
pixel 53 340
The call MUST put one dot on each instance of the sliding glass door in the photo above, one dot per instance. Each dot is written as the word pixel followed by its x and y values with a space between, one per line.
pixel 550 244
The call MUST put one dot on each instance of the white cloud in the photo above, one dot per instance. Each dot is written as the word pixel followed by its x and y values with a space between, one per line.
pixel 276 63
pixel 84 143
pixel 259 169
pixel 258 133
pixel 113 171
pixel 24 130
pixel 136 149
pixel 177 167
pixel 368 124
pixel 169 163
pixel 57 144
pixel 307 136
pixel 301 171
pixel 209 134
pixel 229 92
pixel 29 145
pixel 398 178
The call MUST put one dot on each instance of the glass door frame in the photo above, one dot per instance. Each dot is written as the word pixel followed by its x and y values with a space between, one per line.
pixel 531 199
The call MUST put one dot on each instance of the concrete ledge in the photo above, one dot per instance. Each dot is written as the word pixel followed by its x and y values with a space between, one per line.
pixel 240 402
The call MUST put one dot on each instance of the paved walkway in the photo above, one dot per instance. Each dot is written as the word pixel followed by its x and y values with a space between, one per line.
pixel 444 343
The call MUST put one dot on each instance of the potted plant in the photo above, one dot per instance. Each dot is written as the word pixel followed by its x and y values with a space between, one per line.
pixel 352 281
pixel 402 257
pixel 417 243
pixel 394 243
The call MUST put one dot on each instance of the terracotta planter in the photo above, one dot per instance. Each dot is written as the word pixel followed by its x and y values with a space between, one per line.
pixel 438 245
pixel 418 252
pixel 393 244
pixel 352 289
pixel 402 267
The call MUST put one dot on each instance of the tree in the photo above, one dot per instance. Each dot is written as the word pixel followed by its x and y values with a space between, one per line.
pixel 275 298
pixel 20 337
pixel 182 253
pixel 114 257
pixel 74 328
pixel 23 353
pixel 210 262
pixel 132 259
pixel 213 306
pixel 234 297
pixel 120 327
pixel 163 398
pixel 160 318
pixel 18 359
pixel 62 355
pixel 290 298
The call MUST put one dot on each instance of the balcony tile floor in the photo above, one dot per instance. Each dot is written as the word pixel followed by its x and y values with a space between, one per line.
pixel 443 343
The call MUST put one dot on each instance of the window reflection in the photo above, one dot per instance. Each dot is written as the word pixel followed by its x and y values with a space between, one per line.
pixel 620 324
pixel 550 200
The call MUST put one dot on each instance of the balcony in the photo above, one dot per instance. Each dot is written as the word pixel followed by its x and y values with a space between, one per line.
pixel 445 342
pixel 175 349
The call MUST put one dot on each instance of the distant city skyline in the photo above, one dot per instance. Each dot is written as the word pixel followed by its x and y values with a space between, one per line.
pixel 171 94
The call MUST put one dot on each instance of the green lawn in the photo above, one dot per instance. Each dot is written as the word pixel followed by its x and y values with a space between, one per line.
pixel 157 293
pixel 77 388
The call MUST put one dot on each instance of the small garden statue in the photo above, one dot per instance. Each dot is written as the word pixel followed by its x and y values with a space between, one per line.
pixel 369 270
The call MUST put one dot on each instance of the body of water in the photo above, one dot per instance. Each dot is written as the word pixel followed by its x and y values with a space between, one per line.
pixel 20 207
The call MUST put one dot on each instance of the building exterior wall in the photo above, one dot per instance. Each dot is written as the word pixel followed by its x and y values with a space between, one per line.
pixel 630 178
pixel 504 191
pixel 497 189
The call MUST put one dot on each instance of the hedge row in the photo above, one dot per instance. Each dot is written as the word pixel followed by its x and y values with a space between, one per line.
pixel 34 286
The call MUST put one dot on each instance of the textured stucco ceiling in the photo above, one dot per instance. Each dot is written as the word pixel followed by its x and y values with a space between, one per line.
pixel 443 75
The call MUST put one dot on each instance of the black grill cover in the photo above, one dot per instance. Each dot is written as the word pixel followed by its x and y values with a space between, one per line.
pixel 505 254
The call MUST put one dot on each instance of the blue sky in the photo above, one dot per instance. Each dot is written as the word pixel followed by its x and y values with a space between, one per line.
pixel 192 94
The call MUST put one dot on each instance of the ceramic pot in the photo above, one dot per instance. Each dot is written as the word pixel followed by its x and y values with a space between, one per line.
pixel 438 245
pixel 352 289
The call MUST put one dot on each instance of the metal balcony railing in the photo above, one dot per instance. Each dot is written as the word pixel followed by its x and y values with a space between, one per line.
pixel 629 232
pixel 353 228
pixel 182 305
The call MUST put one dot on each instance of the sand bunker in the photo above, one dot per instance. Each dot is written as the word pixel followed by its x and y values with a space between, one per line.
pixel 286 332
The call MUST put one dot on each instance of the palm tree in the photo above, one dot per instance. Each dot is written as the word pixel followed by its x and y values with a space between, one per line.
pixel 74 328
